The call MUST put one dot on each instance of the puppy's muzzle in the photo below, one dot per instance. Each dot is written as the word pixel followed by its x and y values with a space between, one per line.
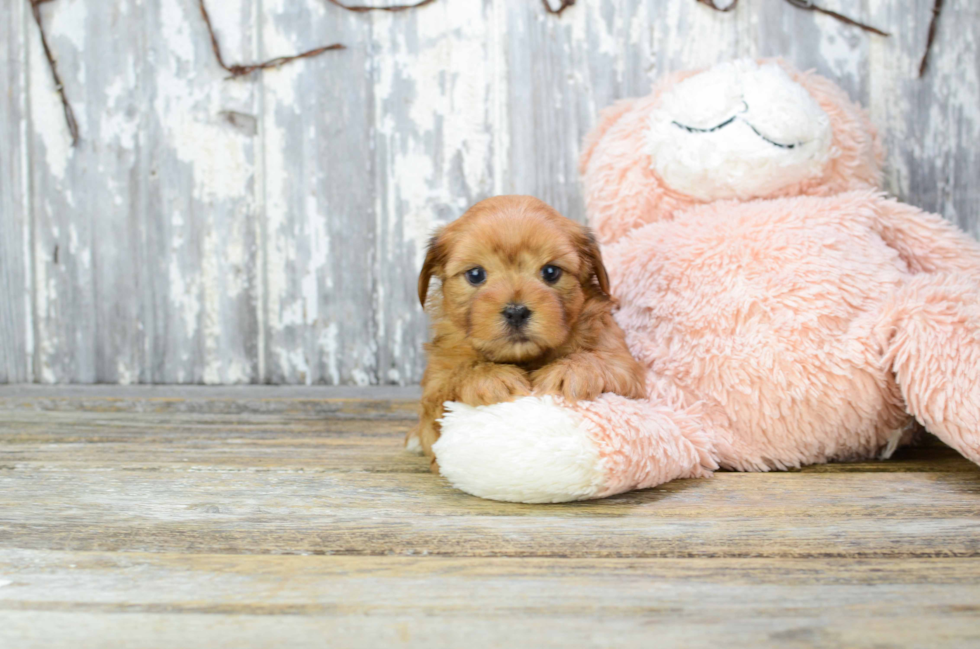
pixel 516 315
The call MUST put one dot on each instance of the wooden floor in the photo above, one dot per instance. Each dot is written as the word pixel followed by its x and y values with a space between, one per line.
pixel 292 518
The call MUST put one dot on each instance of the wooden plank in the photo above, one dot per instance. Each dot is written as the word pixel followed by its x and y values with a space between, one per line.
pixel 390 403
pixel 339 446
pixel 164 600
pixel 135 394
pixel 199 213
pixel 277 434
pixel 321 439
pixel 142 231
pixel 52 630
pixel 16 317
pixel 178 520
pixel 202 508
pixel 559 73
pixel 320 216
pixel 84 200
pixel 82 581
pixel 929 124
pixel 434 100
pixel 216 581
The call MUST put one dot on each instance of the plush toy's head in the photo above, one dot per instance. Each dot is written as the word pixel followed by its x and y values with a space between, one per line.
pixel 740 130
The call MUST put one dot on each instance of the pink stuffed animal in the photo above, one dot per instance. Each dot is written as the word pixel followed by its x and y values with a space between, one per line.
pixel 786 311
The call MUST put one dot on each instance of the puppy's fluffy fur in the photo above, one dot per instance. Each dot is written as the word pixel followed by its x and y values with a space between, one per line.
pixel 523 306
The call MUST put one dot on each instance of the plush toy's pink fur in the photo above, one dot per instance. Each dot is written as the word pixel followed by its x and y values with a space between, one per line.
pixel 793 333
pixel 813 325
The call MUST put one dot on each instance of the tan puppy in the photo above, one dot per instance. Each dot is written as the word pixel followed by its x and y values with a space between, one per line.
pixel 523 307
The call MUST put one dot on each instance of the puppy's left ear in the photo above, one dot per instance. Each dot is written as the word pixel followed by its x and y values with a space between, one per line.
pixel 589 249
pixel 434 258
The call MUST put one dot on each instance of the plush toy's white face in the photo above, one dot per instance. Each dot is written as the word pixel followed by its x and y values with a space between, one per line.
pixel 738 130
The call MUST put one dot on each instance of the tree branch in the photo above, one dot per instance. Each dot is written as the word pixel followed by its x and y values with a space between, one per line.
pixel 239 69
pixel 53 66
pixel 936 10
pixel 807 5
pixel 562 6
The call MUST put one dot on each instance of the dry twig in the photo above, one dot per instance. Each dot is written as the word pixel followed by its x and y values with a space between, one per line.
pixel 713 5
pixel 936 9
pixel 239 70
pixel 807 5
pixel 562 6
pixel 53 66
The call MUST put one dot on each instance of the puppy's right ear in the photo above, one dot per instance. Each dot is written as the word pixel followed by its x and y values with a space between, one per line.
pixel 589 249
pixel 434 259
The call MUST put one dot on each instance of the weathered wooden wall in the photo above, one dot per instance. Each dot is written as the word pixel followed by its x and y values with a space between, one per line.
pixel 270 230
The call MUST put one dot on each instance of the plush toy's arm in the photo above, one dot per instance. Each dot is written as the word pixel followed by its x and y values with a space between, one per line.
pixel 927 242
pixel 538 450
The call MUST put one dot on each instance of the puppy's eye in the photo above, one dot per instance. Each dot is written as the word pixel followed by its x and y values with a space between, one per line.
pixel 551 274
pixel 476 276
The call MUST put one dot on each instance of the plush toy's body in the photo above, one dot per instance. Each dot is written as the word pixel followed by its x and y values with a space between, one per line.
pixel 786 312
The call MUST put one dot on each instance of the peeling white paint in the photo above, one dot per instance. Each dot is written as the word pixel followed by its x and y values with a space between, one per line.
pixel 280 252
pixel 119 124
pixel 27 299
pixel 250 218
pixel 70 22
pixel 328 344
pixel 221 166
pixel 839 53
pixel 691 35
pixel 175 29
pixel 46 112
pixel 449 79
pixel 185 297
pixel 499 89
pixel 45 288
pixel 360 377
pixel 190 113
pixel 125 375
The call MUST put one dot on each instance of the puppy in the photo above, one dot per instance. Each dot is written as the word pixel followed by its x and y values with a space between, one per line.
pixel 523 307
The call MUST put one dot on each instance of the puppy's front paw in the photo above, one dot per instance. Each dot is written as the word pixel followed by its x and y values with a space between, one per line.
pixel 571 380
pixel 492 383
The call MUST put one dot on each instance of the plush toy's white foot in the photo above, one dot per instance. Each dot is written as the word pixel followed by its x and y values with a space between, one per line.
pixel 531 450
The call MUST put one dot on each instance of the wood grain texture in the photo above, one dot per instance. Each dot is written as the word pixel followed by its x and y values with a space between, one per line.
pixel 144 232
pixel 435 112
pixel 84 201
pixel 16 323
pixel 320 219
pixel 256 517
pixel 269 230
pixel 915 629
pixel 929 124
pixel 199 206
pixel 329 477
pixel 440 602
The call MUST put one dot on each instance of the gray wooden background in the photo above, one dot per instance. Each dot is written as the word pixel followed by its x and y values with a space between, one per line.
pixel 270 230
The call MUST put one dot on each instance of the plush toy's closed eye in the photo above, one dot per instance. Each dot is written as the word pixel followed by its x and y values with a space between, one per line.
pixel 731 120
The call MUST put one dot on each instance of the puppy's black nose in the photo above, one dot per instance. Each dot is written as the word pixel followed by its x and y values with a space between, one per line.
pixel 516 315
